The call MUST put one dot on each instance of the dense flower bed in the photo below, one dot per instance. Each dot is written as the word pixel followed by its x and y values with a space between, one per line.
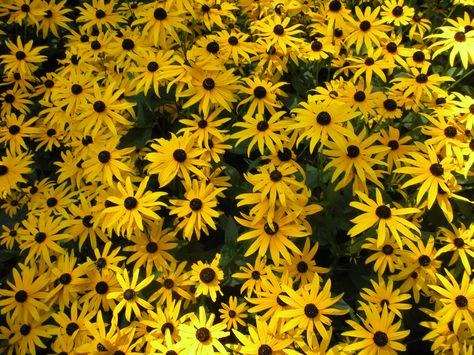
pixel 248 177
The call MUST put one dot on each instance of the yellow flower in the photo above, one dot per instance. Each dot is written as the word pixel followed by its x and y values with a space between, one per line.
pixel 207 277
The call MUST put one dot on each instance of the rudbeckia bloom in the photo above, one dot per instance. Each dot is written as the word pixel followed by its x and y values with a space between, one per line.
pixel 266 133
pixel 175 156
pixel 383 295
pixel 211 88
pixel 26 295
pixel 396 12
pixel 386 218
pixel 129 298
pixel 128 210
pixel 232 314
pixel 386 255
pixel 378 333
pixel 201 335
pixel 12 169
pixel 367 29
pixel 197 210
pixel 174 280
pixel 99 14
pixel 457 300
pixel 23 58
pixel 309 308
pixel 460 242
pixel 273 236
pixel 253 274
pixel 54 18
pixel 321 121
pixel 262 95
pixel 207 277
pixel 429 171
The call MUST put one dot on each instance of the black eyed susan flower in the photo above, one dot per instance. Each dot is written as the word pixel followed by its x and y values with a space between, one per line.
pixel 263 338
pixel 253 274
pixel 54 18
pixel 159 22
pixel 378 333
pixel 55 201
pixel 205 127
pixel 261 95
pixel 383 295
pixel 398 147
pixel 396 12
pixel 309 308
pixel 163 325
pixel 26 337
pixel 277 31
pixel 99 285
pixel 459 242
pixel 266 133
pixel 106 260
pixel 352 157
pixel 367 30
pixel 12 168
pixel 269 300
pixel 423 259
pixel 68 280
pixel 321 121
pixel 235 46
pixel 71 324
pixel 233 313
pixel 106 163
pixel 15 130
pixel 127 211
pixel 175 281
pixel 23 58
pixel 455 39
pixel 201 336
pixel 207 278
pixel 26 298
pixel 457 300
pixel 105 110
pixel 176 156
pixel 420 84
pixel 272 236
pixel 25 12
pixel 197 211
pixel 15 100
pixel 211 89
pixel 129 298
pixel 385 217
pixel 371 63
pixel 9 237
pixel 151 247
pixel 303 266
pixel 425 168
pixel 212 13
pixel 385 256
pixel 361 98
pixel 100 15
pixel 41 236
pixel 73 92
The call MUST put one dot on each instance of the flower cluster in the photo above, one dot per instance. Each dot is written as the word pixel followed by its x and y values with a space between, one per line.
pixel 236 176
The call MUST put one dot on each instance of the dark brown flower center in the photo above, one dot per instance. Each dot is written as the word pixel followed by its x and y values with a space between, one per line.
pixel 393 144
pixel 364 26
pixel 208 84
pixel 278 30
pixel 151 247
pixel 25 329
pixel 418 56
pixel 95 45
pixel 203 334
pixel 284 155
pixel 450 132
pixel 14 129
pixel 383 212
pixel 259 92
pixel 51 202
pixel 40 237
pixel 130 203
pixel 458 242
pixel 323 118
pixel 436 169
pixel 104 156
pixel 101 263
pixel 160 14
pixel 302 267
pixel 99 106
pixel 276 175
pixel 424 260
pixel 421 79
pixel 65 279
pixel 128 44
pixel 391 47
pixel 233 41
pixel 207 275
pixel 397 11
pixel 353 151
pixel 21 296
pixel 212 47
pixel 310 310
pixel 101 287
pixel 167 326
pixel 71 328
pixel 460 37
pixel 316 46
pixel 262 126
pixel 128 294
pixel 369 61
pixel 380 339
pixel 195 204
pixel 265 349
pixel 20 55
pixel 152 67
pixel 255 275
pixel 387 249
pixel 335 5
pixel 100 14
pixel 280 301
pixel 359 96
pixel 271 230
pixel 168 283
pixel 461 301
pixel 179 155
pixel 51 132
